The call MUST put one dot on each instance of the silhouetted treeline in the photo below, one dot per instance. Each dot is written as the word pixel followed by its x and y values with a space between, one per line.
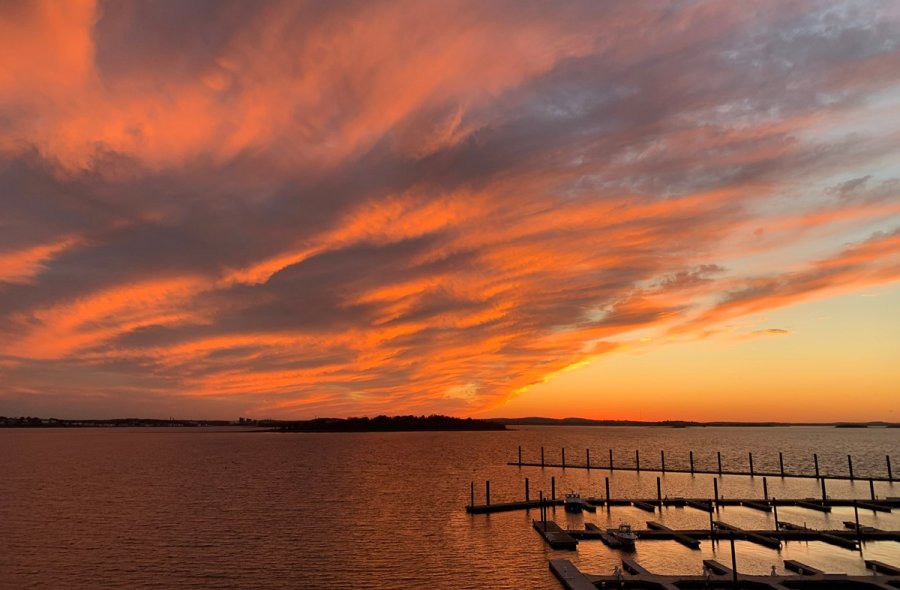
pixel 35 422
pixel 389 424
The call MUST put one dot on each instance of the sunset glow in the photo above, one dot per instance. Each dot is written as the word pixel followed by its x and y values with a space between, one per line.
pixel 294 209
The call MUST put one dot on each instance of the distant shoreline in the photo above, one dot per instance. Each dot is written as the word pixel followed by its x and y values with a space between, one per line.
pixel 399 423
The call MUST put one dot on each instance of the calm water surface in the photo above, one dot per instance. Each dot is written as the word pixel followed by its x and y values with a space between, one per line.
pixel 172 508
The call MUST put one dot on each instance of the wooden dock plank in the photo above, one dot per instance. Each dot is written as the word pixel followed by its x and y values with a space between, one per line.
pixel 874 506
pixel 882 568
pixel 866 529
pixel 763 540
pixel 685 540
pixel 570 576
pixel 756 505
pixel 704 505
pixel 554 535
pixel 720 577
pixel 716 568
pixel 634 568
pixel 801 568
pixel 838 541
pixel 818 506
pixel 699 471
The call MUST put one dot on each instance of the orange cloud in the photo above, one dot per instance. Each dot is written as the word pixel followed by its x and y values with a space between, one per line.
pixel 407 206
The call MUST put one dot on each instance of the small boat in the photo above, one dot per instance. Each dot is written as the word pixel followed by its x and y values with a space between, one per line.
pixel 573 502
pixel 624 534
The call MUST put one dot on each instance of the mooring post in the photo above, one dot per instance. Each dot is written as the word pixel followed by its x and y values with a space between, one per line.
pixel 608 497
pixel 734 574
pixel 716 491
pixel 553 488
pixel 520 456
pixel 850 466
pixel 751 464
pixel 765 489
pixel 526 489
pixel 564 457
pixel 662 460
pixel 719 458
pixel 692 462
pixel 472 494
pixel 781 462
pixel 824 496
pixel 659 493
pixel 858 532
pixel 712 527
pixel 872 488
pixel 816 462
pixel 775 510
pixel 487 492
pixel 588 453
pixel 637 459
pixel 543 512
pixel 888 459
pixel 542 457
pixel 610 460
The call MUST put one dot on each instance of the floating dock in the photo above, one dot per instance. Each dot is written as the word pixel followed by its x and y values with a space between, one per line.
pixel 752 536
pixel 772 539
pixel 685 540
pixel 694 470
pixel 554 535
pixel 720 576
pixel 704 504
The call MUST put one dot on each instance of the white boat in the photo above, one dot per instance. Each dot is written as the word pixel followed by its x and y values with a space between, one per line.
pixel 573 502
pixel 624 534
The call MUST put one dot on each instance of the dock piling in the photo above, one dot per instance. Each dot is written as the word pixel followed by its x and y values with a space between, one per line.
pixel 888 459
pixel 637 460
pixel 734 573
pixel 816 462
pixel 719 458
pixel 824 495
pixel 691 456
pixel 858 532
pixel 712 527
pixel 543 511
pixel 872 488
pixel 781 462
pixel 775 511
pixel 659 493
pixel 751 464
pixel 765 489
pixel 716 491
pixel 553 488
pixel 564 457
pixel 662 460
pixel 520 456
pixel 850 466
pixel 526 489
pixel 608 497
pixel 542 457
pixel 487 492
pixel 588 461
pixel 610 460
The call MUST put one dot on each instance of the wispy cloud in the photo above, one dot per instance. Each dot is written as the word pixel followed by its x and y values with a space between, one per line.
pixel 395 206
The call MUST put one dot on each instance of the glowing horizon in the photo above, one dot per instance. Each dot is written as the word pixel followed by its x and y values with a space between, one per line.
pixel 289 209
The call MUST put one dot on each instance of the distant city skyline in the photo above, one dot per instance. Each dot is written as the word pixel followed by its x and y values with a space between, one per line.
pixel 609 210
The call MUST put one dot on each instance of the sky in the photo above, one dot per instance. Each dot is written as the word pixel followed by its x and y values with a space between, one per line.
pixel 289 209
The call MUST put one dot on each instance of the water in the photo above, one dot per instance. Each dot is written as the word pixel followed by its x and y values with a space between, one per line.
pixel 173 508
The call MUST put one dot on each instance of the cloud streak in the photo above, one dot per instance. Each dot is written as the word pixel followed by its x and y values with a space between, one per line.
pixel 305 208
